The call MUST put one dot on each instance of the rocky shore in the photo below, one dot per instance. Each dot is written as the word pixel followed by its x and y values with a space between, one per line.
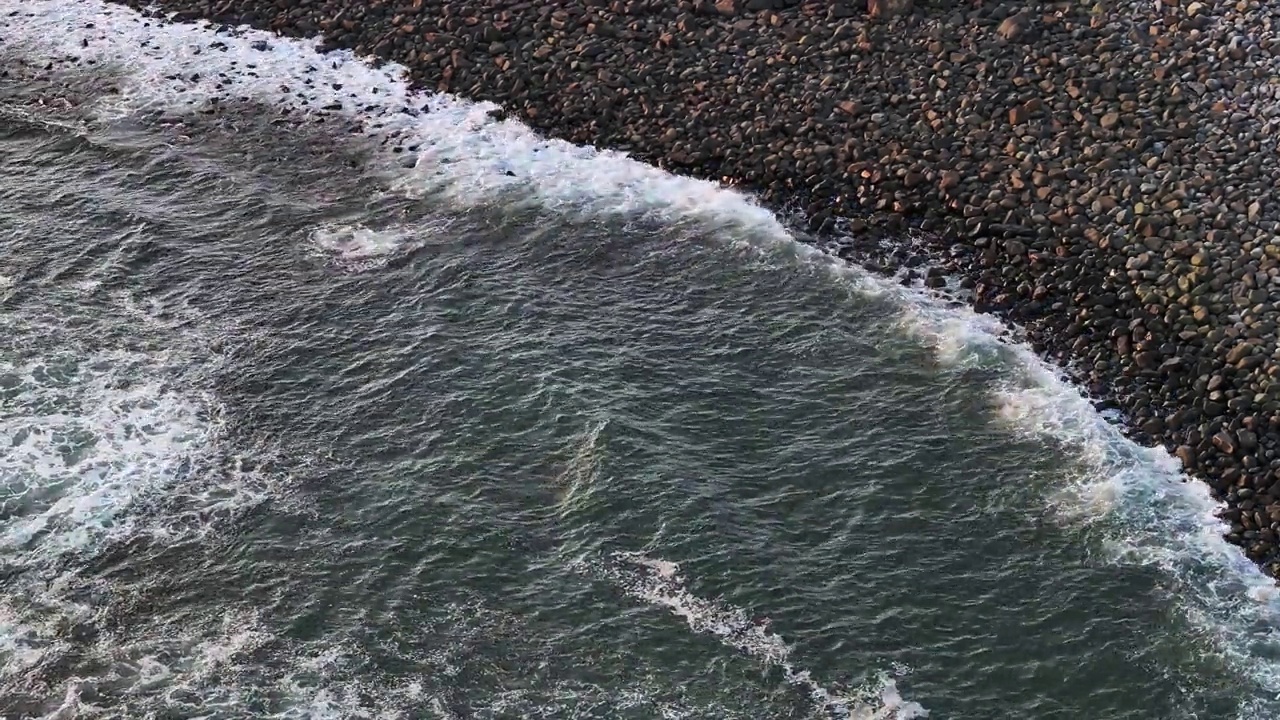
pixel 1103 173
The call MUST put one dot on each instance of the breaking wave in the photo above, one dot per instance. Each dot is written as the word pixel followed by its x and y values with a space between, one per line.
pixel 73 484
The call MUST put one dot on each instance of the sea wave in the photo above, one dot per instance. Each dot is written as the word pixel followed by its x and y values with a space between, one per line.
pixel 450 146
pixel 660 583
pixel 460 150
pixel 105 449
pixel 86 437
pixel 1148 510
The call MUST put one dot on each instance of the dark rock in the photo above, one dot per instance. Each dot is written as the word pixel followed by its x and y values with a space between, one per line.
pixel 1238 353
pixel 889 8
pixel 1248 440
pixel 728 8
pixel 1225 442
pixel 1187 455
pixel 1013 26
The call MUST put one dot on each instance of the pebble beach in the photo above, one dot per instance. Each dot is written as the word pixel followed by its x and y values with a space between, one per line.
pixel 1101 173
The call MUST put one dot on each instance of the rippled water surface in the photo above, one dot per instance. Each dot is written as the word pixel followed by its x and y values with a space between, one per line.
pixel 290 430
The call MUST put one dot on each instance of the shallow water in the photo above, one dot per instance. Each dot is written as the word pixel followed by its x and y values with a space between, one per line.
pixel 297 425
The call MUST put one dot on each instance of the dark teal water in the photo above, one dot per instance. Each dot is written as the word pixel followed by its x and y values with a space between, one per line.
pixel 290 433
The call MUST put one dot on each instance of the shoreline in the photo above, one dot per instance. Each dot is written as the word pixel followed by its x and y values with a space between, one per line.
pixel 1099 174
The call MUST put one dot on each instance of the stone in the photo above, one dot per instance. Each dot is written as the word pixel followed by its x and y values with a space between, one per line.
pixel 1013 26
pixel 1187 455
pixel 1238 353
pixel 889 8
pixel 1248 440
pixel 1225 442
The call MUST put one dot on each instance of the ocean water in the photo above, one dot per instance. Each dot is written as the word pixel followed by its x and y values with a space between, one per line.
pixel 323 399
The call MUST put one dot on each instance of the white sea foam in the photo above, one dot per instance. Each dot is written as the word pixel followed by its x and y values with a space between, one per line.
pixel 462 152
pixel 100 448
pixel 473 159
pixel 357 248
pixel 83 439
pixel 1153 513
pixel 87 438
pixel 178 667
pixel 660 583
pixel 211 667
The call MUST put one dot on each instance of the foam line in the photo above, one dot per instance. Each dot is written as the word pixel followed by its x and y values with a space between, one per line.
pixel 454 146
pixel 1150 511
pixel 660 583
